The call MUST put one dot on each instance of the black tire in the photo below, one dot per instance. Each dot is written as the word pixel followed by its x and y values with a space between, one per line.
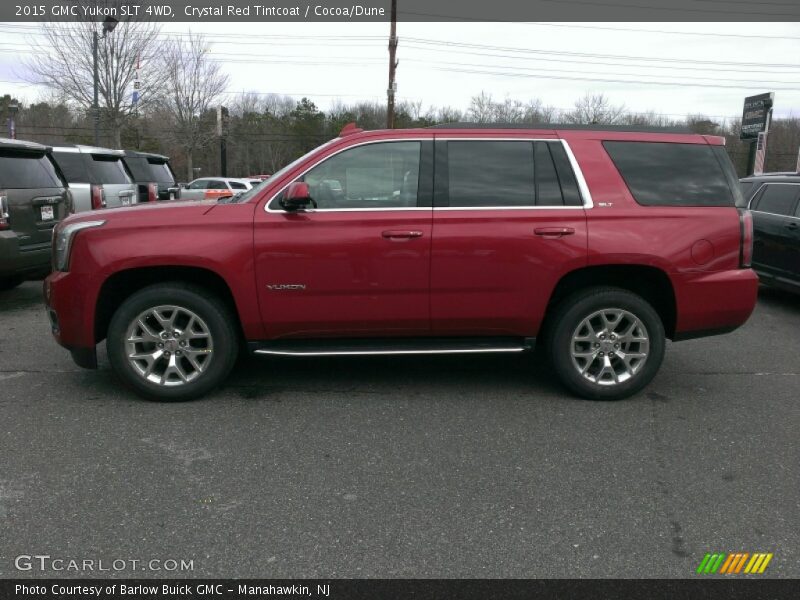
pixel 569 316
pixel 9 283
pixel 216 316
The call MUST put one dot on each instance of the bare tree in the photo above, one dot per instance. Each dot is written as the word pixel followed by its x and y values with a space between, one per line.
pixel 64 63
pixel 192 84
pixel 595 109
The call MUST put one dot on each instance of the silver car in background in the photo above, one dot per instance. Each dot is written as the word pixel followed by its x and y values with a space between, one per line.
pixel 97 177
pixel 215 188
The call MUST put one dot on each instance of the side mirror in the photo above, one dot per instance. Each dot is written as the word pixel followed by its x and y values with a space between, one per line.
pixel 296 197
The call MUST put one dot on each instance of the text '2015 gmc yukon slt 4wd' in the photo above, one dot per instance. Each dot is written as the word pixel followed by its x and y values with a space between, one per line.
pixel 596 244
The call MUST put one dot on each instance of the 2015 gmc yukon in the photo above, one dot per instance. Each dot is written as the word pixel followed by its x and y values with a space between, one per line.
pixel 597 244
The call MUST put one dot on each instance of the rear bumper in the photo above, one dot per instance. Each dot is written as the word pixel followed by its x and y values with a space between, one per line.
pixel 71 315
pixel 21 261
pixel 713 303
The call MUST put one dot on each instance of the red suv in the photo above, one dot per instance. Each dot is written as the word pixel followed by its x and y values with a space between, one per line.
pixel 596 244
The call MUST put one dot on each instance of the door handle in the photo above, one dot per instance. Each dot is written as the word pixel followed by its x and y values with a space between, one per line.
pixel 554 232
pixel 791 226
pixel 401 235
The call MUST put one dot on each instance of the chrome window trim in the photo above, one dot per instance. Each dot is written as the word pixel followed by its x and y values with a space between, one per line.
pixel 764 212
pixel 583 188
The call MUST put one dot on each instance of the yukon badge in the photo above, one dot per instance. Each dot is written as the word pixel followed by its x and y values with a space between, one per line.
pixel 280 287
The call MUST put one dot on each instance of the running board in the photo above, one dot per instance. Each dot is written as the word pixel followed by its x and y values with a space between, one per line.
pixel 392 346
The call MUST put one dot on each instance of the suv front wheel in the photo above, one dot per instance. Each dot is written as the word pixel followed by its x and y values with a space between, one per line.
pixel 606 343
pixel 172 342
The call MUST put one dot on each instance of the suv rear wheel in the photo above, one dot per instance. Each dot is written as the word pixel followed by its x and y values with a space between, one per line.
pixel 172 342
pixel 606 343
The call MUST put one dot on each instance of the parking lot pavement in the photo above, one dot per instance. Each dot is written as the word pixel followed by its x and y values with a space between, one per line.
pixel 468 466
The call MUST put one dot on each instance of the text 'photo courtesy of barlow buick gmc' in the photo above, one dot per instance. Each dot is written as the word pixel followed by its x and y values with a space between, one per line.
pixel 33 198
pixel 596 244
pixel 97 177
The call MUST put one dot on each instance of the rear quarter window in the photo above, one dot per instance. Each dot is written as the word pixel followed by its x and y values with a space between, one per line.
pixel 27 172
pixel 671 174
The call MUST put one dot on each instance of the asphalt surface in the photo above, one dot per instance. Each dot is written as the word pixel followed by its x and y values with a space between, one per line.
pixel 468 466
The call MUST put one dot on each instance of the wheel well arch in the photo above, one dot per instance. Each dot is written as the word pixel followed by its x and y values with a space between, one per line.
pixel 651 283
pixel 122 284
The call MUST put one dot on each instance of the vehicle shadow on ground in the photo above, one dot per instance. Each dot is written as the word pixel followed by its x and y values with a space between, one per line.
pixel 779 298
pixel 23 296
pixel 256 378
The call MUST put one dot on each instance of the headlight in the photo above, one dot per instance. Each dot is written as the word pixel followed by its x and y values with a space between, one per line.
pixel 63 242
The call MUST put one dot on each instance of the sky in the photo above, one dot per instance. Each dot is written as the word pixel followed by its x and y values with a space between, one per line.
pixel 669 68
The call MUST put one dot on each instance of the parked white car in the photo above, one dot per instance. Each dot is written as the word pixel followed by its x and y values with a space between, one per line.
pixel 214 188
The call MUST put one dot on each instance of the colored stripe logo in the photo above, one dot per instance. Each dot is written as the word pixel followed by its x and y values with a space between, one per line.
pixel 734 563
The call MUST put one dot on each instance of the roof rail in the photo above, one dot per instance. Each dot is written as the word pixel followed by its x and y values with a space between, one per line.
pixel 630 128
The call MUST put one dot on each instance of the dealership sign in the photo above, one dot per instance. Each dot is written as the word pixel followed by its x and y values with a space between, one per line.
pixel 755 117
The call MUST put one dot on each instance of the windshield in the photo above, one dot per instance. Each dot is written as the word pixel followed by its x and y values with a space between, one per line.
pixel 244 197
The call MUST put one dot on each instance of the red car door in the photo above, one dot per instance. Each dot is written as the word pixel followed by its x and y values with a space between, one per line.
pixel 508 222
pixel 357 264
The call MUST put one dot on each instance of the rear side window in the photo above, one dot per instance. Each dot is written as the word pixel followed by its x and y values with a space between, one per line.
pixel 669 174
pixel 778 199
pixel 108 169
pixel 27 171
pixel 237 186
pixel 216 185
pixel 491 173
pixel 73 165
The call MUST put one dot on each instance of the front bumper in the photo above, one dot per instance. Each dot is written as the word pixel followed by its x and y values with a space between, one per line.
pixel 70 310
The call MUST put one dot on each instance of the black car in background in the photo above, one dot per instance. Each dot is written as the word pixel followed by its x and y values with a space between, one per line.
pixel 153 176
pixel 774 200
pixel 33 198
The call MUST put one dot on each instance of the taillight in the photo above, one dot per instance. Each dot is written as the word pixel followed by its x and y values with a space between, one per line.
pixel 746 248
pixel 98 197
pixel 152 192
pixel 69 203
pixel 4 218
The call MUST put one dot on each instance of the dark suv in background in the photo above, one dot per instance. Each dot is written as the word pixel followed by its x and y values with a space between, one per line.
pixel 33 198
pixel 153 176
pixel 775 204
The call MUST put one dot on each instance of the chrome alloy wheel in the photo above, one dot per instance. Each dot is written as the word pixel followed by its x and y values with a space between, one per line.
pixel 169 345
pixel 610 346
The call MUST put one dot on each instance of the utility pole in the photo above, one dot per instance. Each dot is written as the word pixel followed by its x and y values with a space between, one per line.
pixel 392 66
pixel 108 26
pixel 96 101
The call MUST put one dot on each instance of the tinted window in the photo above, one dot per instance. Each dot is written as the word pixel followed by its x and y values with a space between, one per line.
pixel 730 174
pixel 383 175
pixel 237 186
pixel 198 184
pixel 27 172
pixel 73 165
pixel 747 188
pixel 161 172
pixel 569 185
pixel 548 190
pixel 490 173
pixel 666 174
pixel 215 184
pixel 108 169
pixel 139 168
pixel 778 199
